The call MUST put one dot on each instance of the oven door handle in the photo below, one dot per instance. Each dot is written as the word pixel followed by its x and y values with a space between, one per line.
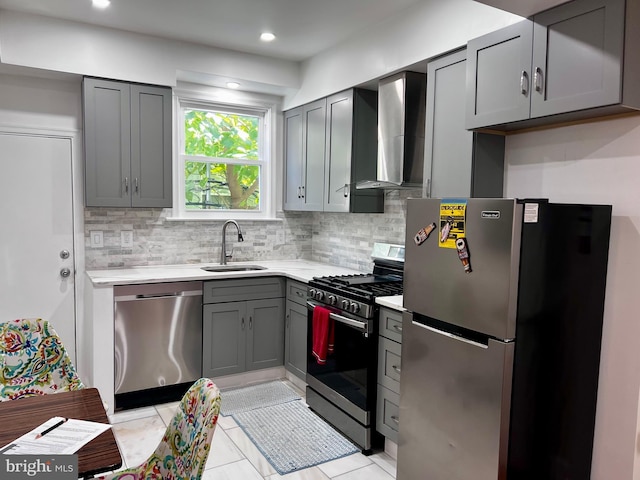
pixel 362 326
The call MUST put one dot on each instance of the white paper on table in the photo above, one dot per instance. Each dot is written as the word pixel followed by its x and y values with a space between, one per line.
pixel 66 439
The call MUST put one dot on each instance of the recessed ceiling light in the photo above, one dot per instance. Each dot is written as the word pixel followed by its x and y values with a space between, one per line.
pixel 267 37
pixel 233 85
pixel 101 3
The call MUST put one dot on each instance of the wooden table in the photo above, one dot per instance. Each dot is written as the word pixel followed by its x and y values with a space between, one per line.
pixel 18 417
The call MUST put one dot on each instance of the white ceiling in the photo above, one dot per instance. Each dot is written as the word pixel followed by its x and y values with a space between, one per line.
pixel 303 27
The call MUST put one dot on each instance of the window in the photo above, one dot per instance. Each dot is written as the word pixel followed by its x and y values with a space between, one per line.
pixel 223 162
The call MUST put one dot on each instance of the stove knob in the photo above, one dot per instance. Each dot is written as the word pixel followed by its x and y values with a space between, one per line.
pixel 332 300
pixel 312 292
pixel 354 307
pixel 319 295
pixel 345 304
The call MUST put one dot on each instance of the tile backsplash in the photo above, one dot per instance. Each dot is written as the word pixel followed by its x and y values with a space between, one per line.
pixel 336 238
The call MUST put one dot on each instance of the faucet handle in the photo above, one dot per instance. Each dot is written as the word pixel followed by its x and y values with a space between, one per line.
pixel 240 237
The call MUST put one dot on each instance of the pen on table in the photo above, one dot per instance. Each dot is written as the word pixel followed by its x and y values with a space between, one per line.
pixel 51 428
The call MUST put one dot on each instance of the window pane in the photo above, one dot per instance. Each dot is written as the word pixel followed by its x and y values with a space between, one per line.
pixel 221 186
pixel 221 135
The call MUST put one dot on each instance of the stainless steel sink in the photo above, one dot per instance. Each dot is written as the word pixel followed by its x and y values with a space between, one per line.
pixel 233 268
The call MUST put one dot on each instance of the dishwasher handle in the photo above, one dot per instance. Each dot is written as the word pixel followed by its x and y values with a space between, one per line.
pixel 144 296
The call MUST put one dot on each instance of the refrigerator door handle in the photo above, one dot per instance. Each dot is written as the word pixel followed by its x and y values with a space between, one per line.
pixel 450 335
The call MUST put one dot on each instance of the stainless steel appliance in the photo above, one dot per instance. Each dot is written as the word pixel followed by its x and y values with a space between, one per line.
pixel 500 363
pixel 343 390
pixel 401 117
pixel 158 341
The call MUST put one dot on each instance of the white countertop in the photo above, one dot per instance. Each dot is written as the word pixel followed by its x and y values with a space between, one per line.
pixel 394 302
pixel 301 270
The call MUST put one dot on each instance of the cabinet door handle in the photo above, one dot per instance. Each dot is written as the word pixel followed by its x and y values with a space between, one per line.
pixel 395 419
pixel 299 193
pixel 287 322
pixel 126 184
pixel 524 83
pixel 136 184
pixel 398 328
pixel 250 323
pixel 396 368
pixel 302 191
pixel 242 323
pixel 538 80
pixel 346 190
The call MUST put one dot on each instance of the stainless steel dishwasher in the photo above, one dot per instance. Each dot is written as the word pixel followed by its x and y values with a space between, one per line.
pixel 158 341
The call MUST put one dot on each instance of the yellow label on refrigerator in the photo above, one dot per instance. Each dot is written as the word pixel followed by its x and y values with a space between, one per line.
pixel 452 221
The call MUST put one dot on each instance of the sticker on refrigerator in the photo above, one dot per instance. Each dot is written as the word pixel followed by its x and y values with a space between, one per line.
pixel 424 233
pixel 463 253
pixel 531 212
pixel 452 221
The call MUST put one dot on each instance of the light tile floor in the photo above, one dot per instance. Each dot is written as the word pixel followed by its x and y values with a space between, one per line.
pixel 233 456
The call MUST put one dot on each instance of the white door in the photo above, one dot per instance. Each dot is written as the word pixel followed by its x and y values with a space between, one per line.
pixel 37 230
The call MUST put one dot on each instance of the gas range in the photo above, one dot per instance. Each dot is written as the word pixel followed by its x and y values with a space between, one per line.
pixel 356 294
pixel 342 386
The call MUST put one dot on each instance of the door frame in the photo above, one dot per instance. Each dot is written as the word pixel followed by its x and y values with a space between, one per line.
pixel 77 208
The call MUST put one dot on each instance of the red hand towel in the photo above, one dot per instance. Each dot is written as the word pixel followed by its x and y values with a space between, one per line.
pixel 323 335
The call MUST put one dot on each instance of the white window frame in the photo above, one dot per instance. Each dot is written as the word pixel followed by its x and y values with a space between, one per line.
pixel 224 100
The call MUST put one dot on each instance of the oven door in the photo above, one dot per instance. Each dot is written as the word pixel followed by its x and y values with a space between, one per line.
pixel 348 377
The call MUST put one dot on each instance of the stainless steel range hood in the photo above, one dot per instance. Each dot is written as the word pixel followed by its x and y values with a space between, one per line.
pixel 401 123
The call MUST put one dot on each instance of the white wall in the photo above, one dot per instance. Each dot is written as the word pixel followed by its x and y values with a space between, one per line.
pixel 72 47
pixel 598 163
pixel 418 33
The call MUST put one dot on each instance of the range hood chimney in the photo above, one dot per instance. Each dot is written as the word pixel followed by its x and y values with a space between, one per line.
pixel 401 123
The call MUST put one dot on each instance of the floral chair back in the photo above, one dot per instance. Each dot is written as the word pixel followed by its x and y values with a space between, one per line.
pixel 184 448
pixel 33 360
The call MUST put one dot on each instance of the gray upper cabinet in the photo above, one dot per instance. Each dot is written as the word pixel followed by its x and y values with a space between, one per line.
pixel 351 152
pixel 127 132
pixel 330 144
pixel 294 167
pixel 567 63
pixel 498 66
pixel 577 57
pixel 304 129
pixel 458 162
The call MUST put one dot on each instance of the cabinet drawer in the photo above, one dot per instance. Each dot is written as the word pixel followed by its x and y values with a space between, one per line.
pixel 391 324
pixel 297 292
pixel 389 364
pixel 388 413
pixel 217 291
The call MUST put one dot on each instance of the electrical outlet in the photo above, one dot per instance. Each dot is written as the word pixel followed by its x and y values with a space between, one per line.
pixel 126 238
pixel 97 240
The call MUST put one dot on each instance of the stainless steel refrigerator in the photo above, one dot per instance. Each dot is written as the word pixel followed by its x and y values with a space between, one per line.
pixel 501 341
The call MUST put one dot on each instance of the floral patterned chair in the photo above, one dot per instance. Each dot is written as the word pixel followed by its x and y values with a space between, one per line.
pixel 183 451
pixel 33 360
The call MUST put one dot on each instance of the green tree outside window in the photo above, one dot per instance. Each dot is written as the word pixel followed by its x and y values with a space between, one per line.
pixel 214 182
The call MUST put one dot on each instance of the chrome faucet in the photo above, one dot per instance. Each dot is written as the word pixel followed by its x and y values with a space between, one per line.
pixel 223 254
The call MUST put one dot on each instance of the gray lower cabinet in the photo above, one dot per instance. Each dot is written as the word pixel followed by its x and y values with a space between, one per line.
pixel 458 162
pixel 570 60
pixel 244 334
pixel 295 340
pixel 127 140
pixel 389 368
